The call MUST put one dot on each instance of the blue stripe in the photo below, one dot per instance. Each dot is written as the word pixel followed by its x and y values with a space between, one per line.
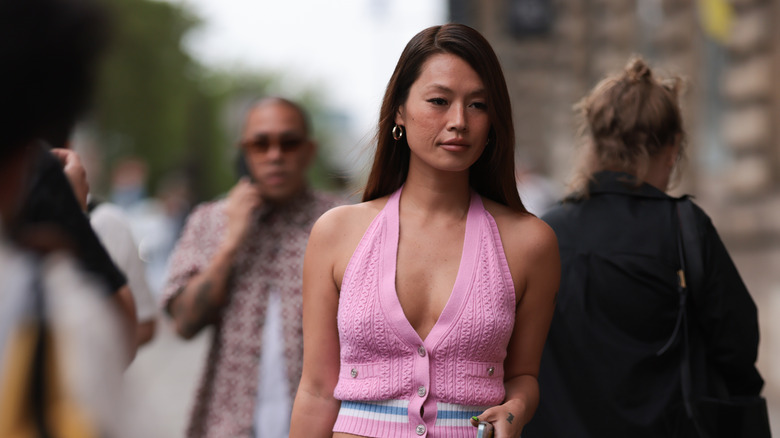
pixel 370 407
pixel 449 415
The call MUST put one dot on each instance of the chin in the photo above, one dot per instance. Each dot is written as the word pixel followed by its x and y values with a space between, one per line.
pixel 457 166
pixel 279 195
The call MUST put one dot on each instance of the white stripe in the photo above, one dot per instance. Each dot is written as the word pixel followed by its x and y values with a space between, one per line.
pixel 449 414
pixel 373 416
pixel 378 416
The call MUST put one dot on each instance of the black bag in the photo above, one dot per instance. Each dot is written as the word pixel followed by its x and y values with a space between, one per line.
pixel 708 417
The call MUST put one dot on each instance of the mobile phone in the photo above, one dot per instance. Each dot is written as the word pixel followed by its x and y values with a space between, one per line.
pixel 485 430
pixel 242 169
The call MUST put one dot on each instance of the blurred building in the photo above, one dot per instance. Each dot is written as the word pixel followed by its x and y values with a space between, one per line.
pixel 728 51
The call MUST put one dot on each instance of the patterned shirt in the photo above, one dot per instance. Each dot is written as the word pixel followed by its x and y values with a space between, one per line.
pixel 271 259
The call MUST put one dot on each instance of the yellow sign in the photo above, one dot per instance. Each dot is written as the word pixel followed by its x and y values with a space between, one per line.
pixel 716 17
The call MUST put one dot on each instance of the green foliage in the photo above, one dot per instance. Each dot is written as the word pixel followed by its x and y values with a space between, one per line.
pixel 156 102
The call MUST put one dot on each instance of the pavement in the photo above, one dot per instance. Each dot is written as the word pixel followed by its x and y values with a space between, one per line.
pixel 160 384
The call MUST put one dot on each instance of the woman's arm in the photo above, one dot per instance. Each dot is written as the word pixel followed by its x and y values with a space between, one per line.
pixel 315 409
pixel 536 268
pixel 727 317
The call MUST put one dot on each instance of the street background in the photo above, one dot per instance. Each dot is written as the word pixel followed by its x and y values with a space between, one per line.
pixel 161 137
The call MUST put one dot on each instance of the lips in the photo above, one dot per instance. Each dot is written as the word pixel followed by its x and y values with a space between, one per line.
pixel 454 145
pixel 275 178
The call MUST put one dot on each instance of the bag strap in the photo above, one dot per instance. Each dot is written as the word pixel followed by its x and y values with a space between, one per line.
pixel 690 273
pixel 690 240
pixel 692 270
pixel 685 238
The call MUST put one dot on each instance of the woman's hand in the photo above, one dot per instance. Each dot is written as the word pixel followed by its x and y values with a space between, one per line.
pixel 507 419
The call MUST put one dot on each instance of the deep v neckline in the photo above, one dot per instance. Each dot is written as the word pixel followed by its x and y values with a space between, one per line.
pixel 389 296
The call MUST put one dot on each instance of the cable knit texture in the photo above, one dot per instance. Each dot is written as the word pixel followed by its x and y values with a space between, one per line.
pixel 460 363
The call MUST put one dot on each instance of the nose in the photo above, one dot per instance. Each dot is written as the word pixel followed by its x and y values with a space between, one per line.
pixel 274 152
pixel 457 118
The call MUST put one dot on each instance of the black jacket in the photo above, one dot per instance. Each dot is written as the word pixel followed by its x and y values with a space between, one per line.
pixel 601 374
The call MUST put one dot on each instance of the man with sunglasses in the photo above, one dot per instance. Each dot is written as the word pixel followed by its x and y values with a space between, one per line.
pixel 238 266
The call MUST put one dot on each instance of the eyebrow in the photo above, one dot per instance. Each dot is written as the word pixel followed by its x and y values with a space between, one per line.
pixel 444 88
pixel 283 134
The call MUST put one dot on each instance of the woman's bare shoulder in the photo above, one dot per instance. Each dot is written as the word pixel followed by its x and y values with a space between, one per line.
pixel 353 213
pixel 530 246
pixel 344 221
pixel 521 231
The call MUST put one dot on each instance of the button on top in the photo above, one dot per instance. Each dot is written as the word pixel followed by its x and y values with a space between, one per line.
pixel 420 429
pixel 421 391
pixel 490 371
pixel 353 373
pixel 421 351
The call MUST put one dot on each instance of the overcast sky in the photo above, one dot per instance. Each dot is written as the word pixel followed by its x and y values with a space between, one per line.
pixel 348 48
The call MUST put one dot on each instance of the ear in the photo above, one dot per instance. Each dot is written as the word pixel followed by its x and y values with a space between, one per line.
pixel 312 152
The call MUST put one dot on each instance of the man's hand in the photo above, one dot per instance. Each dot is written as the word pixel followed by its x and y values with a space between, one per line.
pixel 242 201
pixel 199 302
pixel 74 170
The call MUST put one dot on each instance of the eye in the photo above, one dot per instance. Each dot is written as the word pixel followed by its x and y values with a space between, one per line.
pixel 291 143
pixel 260 144
pixel 437 101
pixel 479 105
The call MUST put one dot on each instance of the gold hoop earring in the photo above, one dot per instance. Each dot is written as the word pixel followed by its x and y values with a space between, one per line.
pixel 398 132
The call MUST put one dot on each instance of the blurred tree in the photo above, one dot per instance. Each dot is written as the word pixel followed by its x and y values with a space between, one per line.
pixel 156 102
pixel 150 102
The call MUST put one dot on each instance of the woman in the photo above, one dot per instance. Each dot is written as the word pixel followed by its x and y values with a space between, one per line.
pixel 612 363
pixel 428 303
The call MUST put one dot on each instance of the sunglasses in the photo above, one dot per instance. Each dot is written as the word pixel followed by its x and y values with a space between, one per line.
pixel 264 143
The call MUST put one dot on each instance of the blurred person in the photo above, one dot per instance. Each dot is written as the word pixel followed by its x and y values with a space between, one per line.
pixel 238 266
pixel 157 223
pixel 58 188
pixel 128 182
pixel 612 362
pixel 57 199
pixel 426 306
pixel 111 225
pixel 60 341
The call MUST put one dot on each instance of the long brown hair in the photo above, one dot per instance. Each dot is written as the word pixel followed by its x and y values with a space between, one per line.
pixel 627 119
pixel 493 174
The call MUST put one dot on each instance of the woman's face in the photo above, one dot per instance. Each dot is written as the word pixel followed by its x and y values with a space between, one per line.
pixel 445 116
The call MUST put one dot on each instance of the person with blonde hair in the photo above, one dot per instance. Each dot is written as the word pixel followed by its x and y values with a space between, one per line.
pixel 426 306
pixel 614 364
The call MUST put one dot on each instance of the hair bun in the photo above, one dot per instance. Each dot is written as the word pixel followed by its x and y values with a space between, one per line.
pixel 636 70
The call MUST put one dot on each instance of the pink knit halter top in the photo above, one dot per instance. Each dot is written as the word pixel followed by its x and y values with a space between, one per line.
pixel 392 382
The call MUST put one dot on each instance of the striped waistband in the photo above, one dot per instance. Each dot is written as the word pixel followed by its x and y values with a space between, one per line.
pixel 396 411
pixel 387 411
pixel 451 414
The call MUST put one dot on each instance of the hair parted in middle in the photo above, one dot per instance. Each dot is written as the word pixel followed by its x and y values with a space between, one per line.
pixel 493 174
